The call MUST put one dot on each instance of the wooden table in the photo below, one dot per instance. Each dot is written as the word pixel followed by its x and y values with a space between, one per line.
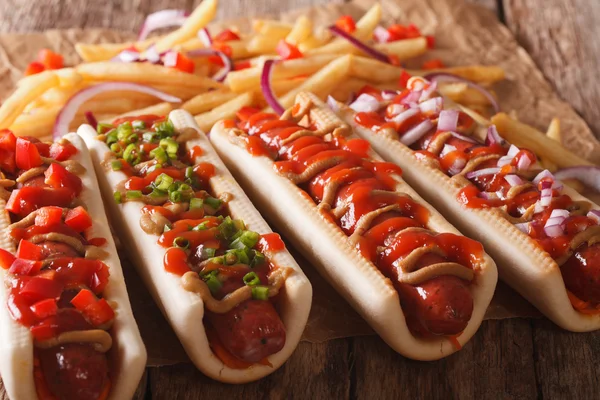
pixel 515 358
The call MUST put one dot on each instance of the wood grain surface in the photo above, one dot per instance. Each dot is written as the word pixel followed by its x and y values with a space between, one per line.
pixel 516 358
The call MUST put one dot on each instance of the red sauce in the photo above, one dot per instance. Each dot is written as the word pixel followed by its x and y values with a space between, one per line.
pixel 196 152
pixel 270 242
pixel 363 186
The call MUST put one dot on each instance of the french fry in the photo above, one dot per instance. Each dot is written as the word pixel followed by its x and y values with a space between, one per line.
pixel 271 27
pixel 37 123
pixel 482 74
pixel 404 49
pixel 106 51
pixel 301 31
pixel 524 135
pixel 207 101
pixel 373 70
pixel 197 20
pixel 553 133
pixel 160 109
pixel 227 110
pixel 574 184
pixel 321 82
pixel 25 94
pixel 347 88
pixel 364 30
pixel 280 88
pixel 116 105
pixel 249 79
pixel 263 44
pixel 143 73
pixel 461 93
pixel 317 39
pixel 238 47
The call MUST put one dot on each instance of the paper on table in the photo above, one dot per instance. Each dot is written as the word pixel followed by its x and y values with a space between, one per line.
pixel 465 34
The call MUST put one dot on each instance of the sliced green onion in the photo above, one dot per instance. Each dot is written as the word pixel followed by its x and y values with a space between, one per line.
pixel 106 129
pixel 167 228
pixel 160 155
pixel 260 292
pixel 239 224
pixel 227 228
pixel 196 203
pixel 117 196
pixel 201 226
pixel 213 283
pixel 246 240
pixel 133 194
pixel 128 154
pixel 189 172
pixel 230 258
pixel 207 252
pixel 251 279
pixel 165 127
pixel 150 137
pixel 116 148
pixel 124 130
pixel 213 202
pixel 237 257
pixel 181 242
pixel 176 197
pixel 138 124
pixel 157 193
pixel 258 259
pixel 163 182
pixel 116 165
pixel 217 260
pixel 170 145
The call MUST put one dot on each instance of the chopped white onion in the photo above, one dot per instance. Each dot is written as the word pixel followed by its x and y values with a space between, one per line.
pixel 389 94
pixel 431 106
pixel 523 227
pixel 546 197
pixel 513 180
pixel 448 148
pixel 482 172
pixel 457 166
pixel 554 231
pixel 416 133
pixel 504 160
pixel 448 120
pixel 559 212
pixel 404 115
pixel 127 56
pixel 365 103
pixel 542 175
pixel 412 98
pixel 513 151
pixel 428 91
pixel 332 103
pixel 416 83
pixel 463 137
pixel 524 163
pixel 170 59
pixel 594 215
pixel 205 38
pixel 381 34
pixel 162 19
pixel 395 109
pixel 493 136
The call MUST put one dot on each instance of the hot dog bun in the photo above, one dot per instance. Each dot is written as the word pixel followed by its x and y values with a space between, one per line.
pixel 183 309
pixel 521 262
pixel 127 356
pixel 328 248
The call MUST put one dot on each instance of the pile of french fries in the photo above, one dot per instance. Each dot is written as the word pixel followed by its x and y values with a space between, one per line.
pixel 329 66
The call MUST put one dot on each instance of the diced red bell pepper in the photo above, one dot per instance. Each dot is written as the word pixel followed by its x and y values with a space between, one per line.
pixel 182 63
pixel 226 36
pixel 83 299
pixel 27 199
pixel 27 155
pixel 100 278
pixel 50 59
pixel 48 216
pixel 29 251
pixel 57 176
pixel 39 289
pixel 43 332
pixel 240 65
pixel 62 152
pixel 288 51
pixel 34 68
pixel 43 148
pixel 7 161
pixel 99 313
pixel 430 41
pixel 394 59
pixel 436 63
pixel 8 141
pixel 412 32
pixel 397 32
pixel 97 241
pixel 45 308
pixel 78 219
pixel 6 259
pixel 20 311
pixel 346 23
pixel 404 77
pixel 21 266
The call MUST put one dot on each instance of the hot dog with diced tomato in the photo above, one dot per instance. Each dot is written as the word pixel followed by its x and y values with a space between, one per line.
pixel 233 294
pixel 419 283
pixel 66 324
pixel 545 236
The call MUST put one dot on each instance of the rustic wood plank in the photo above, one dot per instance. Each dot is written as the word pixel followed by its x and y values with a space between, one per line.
pixel 491 5
pixel 313 371
pixel 561 36
pixel 566 362
pixel 498 360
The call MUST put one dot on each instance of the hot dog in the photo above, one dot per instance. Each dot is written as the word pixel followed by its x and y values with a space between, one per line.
pixel 544 236
pixel 420 284
pixel 66 324
pixel 233 294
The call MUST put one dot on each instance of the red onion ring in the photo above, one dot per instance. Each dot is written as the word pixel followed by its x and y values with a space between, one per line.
pixel 360 45
pixel 431 106
pixel 588 175
pixel 162 19
pixel 89 116
pixel 447 77
pixel 204 36
pixel 67 113
pixel 381 34
pixel 222 73
pixel 513 180
pixel 265 85
pixel 493 136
